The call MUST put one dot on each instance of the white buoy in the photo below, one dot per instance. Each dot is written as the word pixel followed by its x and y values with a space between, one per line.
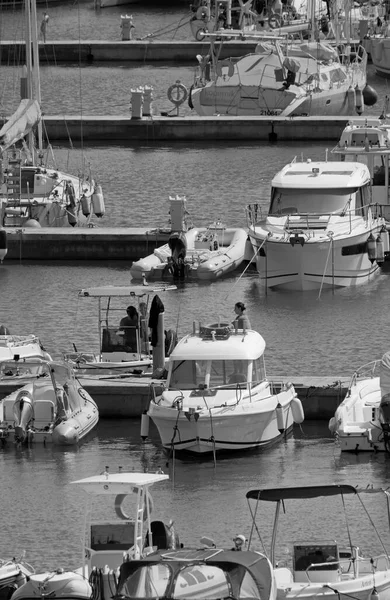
pixel 380 250
pixel 280 417
pixel 145 425
pixel 98 202
pixel 297 410
pixel 371 248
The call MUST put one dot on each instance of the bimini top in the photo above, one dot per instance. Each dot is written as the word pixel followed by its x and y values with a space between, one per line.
pixel 125 290
pixel 118 483
pixel 313 491
pixel 235 346
pixel 322 174
pixel 209 573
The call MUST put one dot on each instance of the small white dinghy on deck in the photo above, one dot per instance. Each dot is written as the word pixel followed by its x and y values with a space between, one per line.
pixel 362 421
pixel 205 253
pixel 51 408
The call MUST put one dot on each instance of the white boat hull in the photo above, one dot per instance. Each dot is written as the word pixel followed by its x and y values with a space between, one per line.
pixel 315 264
pixel 356 424
pixel 240 426
pixel 380 55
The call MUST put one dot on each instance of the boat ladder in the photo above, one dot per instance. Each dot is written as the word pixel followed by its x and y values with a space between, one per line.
pixel 142 498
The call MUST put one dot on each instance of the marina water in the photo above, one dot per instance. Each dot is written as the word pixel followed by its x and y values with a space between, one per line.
pixel 328 334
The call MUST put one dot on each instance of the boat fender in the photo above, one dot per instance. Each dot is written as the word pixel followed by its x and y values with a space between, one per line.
pixel 72 218
pixel 274 21
pixel 280 417
pixel 190 103
pixel 3 244
pixel 332 425
pixel 70 193
pixel 374 594
pixel 85 205
pixel 351 97
pixel 359 100
pixel 370 96
pixel 371 248
pixel 98 202
pixel 297 410
pixel 177 93
pixel 380 250
pixel 144 425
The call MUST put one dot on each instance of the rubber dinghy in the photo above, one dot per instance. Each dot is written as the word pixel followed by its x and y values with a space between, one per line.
pixel 51 408
pixel 207 253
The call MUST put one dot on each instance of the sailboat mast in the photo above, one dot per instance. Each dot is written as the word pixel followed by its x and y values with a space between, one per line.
pixel 29 81
pixel 36 74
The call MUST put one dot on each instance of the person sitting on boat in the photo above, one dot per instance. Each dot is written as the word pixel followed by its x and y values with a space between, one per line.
pixel 130 325
pixel 239 541
pixel 242 320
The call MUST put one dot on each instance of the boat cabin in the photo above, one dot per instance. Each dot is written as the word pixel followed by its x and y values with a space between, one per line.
pixel 311 560
pixel 217 357
pixel 368 141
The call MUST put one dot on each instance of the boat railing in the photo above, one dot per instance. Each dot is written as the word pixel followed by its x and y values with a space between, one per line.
pixel 367 371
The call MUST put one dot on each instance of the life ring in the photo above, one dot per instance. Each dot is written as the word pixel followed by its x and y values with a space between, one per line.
pixel 203 13
pixel 177 93
pixel 274 21
pixel 217 330
pixel 118 505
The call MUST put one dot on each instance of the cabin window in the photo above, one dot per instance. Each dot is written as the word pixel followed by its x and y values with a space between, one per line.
pixel 191 374
pixel 285 201
pixel 228 373
pixel 188 374
pixel 209 583
pixel 258 370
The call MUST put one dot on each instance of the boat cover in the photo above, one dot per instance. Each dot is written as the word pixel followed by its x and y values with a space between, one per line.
pixel 235 564
pixel 276 494
pixel 26 116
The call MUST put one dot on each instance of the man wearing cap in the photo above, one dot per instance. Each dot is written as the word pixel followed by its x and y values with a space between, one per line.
pixel 239 541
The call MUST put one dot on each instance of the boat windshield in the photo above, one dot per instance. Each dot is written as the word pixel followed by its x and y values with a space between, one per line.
pixel 290 201
pixel 193 374
pixel 195 581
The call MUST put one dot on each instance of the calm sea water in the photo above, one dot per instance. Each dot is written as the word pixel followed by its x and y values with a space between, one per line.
pixel 329 335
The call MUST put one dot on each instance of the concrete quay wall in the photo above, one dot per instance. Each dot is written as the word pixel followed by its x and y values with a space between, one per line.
pixel 119 398
pixel 49 243
pixel 152 129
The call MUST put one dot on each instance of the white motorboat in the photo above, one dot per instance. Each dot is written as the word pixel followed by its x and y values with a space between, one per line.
pixel 33 193
pixel 125 348
pixel 107 543
pixel 51 407
pixel 218 397
pixel 367 140
pixel 325 560
pixel 302 79
pixel 13 574
pixel 204 253
pixel 20 347
pixel 323 228
pixel 378 46
pixel 362 421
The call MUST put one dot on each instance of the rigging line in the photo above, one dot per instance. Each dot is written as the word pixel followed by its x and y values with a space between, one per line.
pixel 326 266
pixel 247 267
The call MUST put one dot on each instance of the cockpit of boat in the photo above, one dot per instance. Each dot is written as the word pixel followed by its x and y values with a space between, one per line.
pixel 200 375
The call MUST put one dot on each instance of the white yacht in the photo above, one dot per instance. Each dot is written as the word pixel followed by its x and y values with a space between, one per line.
pixel 322 228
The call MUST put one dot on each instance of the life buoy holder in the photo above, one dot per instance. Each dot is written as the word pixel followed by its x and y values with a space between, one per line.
pixel 120 498
pixel 177 93
pixel 274 21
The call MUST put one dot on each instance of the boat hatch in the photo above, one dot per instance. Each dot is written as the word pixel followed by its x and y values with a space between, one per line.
pixel 316 562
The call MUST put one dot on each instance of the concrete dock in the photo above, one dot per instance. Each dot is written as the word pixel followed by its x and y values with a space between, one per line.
pixel 193 128
pixel 89 51
pixel 83 243
pixel 120 397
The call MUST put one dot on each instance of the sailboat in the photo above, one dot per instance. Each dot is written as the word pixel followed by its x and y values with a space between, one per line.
pixel 33 194
pixel 281 78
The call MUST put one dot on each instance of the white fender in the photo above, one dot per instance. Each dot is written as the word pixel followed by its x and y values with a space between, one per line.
pixel 371 248
pixel 380 250
pixel 98 202
pixel 85 205
pixel 145 425
pixel 280 417
pixel 297 410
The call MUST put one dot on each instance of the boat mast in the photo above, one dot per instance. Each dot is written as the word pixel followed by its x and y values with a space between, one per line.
pixel 29 81
pixel 32 58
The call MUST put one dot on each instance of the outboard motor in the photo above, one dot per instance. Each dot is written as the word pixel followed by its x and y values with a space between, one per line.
pixel 178 245
pixel 23 413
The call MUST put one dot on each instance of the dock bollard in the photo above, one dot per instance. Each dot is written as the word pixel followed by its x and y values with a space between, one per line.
pixel 148 99
pixel 137 100
pixel 127 27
